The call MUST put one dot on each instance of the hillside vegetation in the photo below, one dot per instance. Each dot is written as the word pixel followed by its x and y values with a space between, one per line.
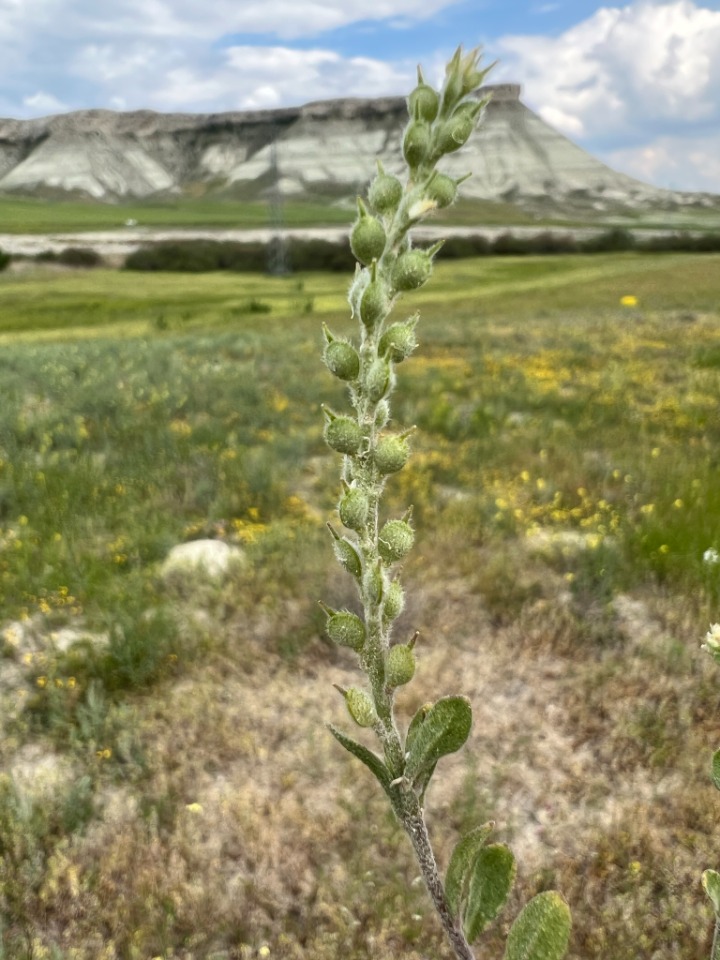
pixel 170 789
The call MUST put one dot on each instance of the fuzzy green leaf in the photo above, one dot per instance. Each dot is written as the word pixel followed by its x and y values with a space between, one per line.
pixel 716 769
pixel 491 878
pixel 444 730
pixel 371 760
pixel 541 931
pixel 711 885
pixel 461 861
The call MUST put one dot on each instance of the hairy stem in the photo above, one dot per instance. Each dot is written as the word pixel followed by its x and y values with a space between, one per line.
pixel 416 829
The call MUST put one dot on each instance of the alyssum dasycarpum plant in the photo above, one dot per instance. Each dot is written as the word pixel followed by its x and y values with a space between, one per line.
pixel 480 874
pixel 711 878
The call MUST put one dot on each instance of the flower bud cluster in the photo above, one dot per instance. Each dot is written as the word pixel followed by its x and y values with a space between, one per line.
pixel 388 267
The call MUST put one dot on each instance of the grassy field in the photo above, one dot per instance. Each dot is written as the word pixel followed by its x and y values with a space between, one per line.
pixel 170 790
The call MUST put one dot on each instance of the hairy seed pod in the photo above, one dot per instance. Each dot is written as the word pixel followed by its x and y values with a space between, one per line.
pixel 360 707
pixel 353 509
pixel 398 341
pixel 373 304
pixel 416 143
pixel 382 414
pixel 411 270
pixel 456 130
pixel 344 435
pixel 374 583
pixel 347 630
pixel 348 557
pixel 367 240
pixel 423 102
pixel 442 189
pixel 391 454
pixel 395 540
pixel 378 380
pixel 393 601
pixel 341 359
pixel 399 665
pixel 385 193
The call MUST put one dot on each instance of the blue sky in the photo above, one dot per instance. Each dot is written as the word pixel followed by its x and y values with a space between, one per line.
pixel 636 83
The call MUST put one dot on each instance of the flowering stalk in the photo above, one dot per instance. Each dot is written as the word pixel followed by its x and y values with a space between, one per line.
pixel 480 874
pixel 711 878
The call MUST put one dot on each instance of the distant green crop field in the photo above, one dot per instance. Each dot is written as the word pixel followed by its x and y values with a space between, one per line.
pixel 28 215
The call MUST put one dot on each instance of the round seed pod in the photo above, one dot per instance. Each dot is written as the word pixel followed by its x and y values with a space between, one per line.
pixel 456 130
pixel 424 102
pixel 398 341
pixel 341 359
pixel 395 540
pixel 344 435
pixel 348 557
pixel 374 582
pixel 416 143
pixel 442 189
pixel 393 601
pixel 385 193
pixel 373 304
pixel 411 270
pixel 360 707
pixel 347 630
pixel 382 414
pixel 353 509
pixel 391 454
pixel 367 240
pixel 399 665
pixel 378 380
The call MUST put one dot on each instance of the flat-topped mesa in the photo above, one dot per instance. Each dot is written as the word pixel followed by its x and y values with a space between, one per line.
pixel 325 148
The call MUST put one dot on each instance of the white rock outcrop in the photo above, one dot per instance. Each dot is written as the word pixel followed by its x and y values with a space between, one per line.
pixel 210 559
pixel 329 147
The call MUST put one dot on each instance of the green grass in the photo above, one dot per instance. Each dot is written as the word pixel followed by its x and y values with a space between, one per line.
pixel 566 454
pixel 30 215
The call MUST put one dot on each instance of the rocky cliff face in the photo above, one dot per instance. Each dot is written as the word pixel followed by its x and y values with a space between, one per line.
pixel 321 148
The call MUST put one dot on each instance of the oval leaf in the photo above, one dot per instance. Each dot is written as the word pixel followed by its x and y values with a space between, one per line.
pixel 711 885
pixel 716 769
pixel 370 759
pixel 458 871
pixel 444 730
pixel 415 724
pixel 542 930
pixel 491 878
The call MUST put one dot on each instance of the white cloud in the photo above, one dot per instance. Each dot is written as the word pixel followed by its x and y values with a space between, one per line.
pixel 626 71
pixel 678 163
pixel 41 102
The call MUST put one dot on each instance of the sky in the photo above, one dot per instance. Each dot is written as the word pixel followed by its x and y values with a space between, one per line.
pixel 636 83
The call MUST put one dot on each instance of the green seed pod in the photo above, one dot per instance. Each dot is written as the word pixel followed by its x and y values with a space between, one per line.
pixel 373 304
pixel 398 341
pixel 423 102
pixel 442 189
pixel 348 557
pixel 416 143
pixel 411 270
pixel 391 454
pixel 360 707
pixel 344 435
pixel 353 509
pixel 393 601
pixel 378 380
pixel 374 583
pixel 347 630
pixel 455 131
pixel 399 665
pixel 342 359
pixel 367 240
pixel 395 540
pixel 382 414
pixel 385 192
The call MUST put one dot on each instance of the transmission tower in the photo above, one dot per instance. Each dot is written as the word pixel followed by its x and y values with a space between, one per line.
pixel 278 261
